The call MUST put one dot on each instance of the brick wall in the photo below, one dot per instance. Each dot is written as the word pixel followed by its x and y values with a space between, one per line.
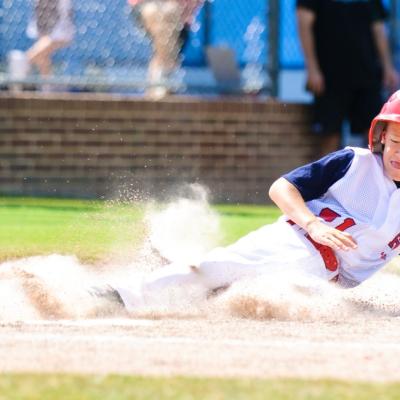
pixel 102 145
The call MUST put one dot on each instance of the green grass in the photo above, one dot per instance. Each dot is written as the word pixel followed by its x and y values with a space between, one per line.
pixel 94 230
pixel 236 221
pixel 50 387
pixel 86 228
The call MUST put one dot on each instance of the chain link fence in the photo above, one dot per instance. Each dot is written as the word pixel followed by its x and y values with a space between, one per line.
pixel 111 45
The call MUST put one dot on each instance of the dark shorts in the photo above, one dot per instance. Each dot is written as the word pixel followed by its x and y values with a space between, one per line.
pixel 357 106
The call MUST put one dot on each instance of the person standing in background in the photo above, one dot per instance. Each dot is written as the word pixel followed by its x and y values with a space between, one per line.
pixel 348 63
pixel 53 28
pixel 167 22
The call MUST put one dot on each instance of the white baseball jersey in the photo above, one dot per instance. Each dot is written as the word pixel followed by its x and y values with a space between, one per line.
pixel 365 203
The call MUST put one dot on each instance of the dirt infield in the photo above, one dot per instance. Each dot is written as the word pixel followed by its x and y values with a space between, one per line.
pixel 262 328
pixel 360 349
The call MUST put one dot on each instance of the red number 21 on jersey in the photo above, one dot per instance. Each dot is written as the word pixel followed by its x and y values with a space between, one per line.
pixel 329 215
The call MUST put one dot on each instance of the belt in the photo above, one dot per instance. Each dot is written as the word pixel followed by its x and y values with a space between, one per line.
pixel 327 254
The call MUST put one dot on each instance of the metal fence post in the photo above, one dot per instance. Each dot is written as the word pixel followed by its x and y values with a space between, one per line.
pixel 273 16
pixel 207 23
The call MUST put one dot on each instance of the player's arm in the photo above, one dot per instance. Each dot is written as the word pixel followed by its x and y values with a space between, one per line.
pixel 390 76
pixel 305 22
pixel 288 198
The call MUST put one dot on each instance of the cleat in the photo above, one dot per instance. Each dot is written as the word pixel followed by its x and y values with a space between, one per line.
pixel 217 291
pixel 106 292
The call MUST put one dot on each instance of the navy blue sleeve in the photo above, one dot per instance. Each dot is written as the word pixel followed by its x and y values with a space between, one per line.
pixel 313 180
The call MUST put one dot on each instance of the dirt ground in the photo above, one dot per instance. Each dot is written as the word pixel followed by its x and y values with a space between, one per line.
pixel 361 349
pixel 277 328
pixel 358 350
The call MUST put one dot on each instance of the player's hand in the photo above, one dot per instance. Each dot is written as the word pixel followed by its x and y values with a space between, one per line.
pixel 315 81
pixel 329 236
pixel 391 78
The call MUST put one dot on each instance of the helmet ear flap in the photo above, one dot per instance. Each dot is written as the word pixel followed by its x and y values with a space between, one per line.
pixel 377 130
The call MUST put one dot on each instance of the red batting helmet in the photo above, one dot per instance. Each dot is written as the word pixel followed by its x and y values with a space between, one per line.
pixel 390 113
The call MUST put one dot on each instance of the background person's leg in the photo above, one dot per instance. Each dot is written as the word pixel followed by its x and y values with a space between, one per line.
pixel 39 55
pixel 330 143
pixel 329 114
pixel 366 104
pixel 162 21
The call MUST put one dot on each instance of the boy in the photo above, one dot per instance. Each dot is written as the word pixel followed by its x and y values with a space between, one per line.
pixel 341 223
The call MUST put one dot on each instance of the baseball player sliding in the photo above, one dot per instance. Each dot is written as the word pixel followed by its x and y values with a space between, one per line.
pixel 341 223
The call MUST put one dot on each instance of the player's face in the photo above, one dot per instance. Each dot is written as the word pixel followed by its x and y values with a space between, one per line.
pixel 391 153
